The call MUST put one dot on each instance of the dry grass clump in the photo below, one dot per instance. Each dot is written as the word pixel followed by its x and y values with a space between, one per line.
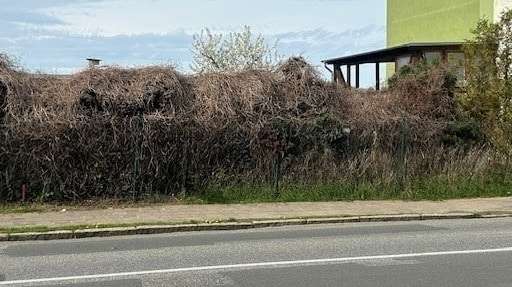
pixel 238 98
pixel 3 100
pixel 34 99
pixel 40 103
pixel 37 104
pixel 250 98
pixel 13 82
pixel 417 106
pixel 427 92
pixel 385 119
pixel 305 90
pixel 130 91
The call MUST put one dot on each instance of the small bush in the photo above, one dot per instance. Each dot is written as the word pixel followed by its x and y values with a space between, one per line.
pixel 463 132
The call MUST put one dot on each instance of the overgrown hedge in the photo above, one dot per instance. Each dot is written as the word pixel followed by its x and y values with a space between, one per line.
pixel 128 133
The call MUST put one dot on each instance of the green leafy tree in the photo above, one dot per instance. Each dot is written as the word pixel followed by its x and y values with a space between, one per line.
pixel 488 86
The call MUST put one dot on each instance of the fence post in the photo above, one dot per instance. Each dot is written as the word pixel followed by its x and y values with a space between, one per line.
pixel 276 174
pixel 23 192
pixel 402 154
pixel 186 165
pixel 136 186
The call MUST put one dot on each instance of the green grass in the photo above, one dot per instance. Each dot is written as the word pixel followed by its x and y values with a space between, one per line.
pixel 85 205
pixel 433 188
pixel 22 208
pixel 439 188
pixel 42 228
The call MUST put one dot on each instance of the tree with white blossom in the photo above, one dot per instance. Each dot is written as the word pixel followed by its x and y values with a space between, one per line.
pixel 236 51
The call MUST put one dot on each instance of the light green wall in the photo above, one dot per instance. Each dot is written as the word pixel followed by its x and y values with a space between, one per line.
pixel 421 21
pixel 487 9
pixel 415 21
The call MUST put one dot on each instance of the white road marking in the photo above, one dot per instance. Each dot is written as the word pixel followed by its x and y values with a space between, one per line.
pixel 255 265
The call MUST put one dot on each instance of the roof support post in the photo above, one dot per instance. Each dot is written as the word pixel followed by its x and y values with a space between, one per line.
pixel 349 76
pixel 357 76
pixel 444 57
pixel 338 75
pixel 377 76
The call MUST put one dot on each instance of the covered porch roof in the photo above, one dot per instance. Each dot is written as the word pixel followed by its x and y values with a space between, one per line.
pixel 414 51
pixel 390 54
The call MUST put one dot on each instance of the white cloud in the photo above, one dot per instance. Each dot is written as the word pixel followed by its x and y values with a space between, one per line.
pixel 52 35
pixel 117 17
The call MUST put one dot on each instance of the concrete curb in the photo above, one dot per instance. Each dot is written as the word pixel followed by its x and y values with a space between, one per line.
pixel 161 229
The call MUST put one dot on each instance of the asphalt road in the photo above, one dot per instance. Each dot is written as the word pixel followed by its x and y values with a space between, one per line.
pixel 427 253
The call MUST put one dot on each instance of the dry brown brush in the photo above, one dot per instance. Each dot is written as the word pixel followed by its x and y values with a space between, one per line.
pixel 112 132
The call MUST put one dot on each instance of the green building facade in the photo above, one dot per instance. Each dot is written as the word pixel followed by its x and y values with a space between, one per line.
pixel 437 21
pixel 417 30
pixel 421 21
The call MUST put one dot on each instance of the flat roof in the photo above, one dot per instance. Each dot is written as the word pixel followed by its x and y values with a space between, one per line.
pixel 390 54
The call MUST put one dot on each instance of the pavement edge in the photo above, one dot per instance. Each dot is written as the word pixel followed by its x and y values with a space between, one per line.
pixel 162 229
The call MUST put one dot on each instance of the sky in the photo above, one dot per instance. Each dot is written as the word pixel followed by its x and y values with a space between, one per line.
pixel 55 36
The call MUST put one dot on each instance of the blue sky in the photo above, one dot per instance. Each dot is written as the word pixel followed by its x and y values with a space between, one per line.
pixel 57 35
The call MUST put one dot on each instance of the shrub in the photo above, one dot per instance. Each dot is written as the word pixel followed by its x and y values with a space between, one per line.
pixel 488 89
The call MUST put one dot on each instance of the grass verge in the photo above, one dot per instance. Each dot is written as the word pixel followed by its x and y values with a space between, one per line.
pixel 439 188
pixel 42 228
pixel 434 188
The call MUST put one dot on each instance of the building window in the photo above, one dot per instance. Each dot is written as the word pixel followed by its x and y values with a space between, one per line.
pixel 402 62
pixel 456 62
pixel 433 57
